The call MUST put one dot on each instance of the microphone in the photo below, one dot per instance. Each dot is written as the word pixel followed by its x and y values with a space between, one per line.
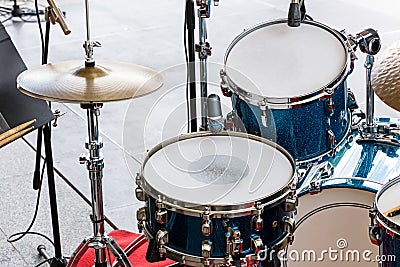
pixel 215 118
pixel 58 17
pixel 294 15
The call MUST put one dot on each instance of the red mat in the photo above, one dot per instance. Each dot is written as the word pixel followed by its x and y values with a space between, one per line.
pixel 137 258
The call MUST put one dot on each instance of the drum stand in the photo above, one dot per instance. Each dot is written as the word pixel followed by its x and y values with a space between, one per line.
pixel 94 163
pixel 204 50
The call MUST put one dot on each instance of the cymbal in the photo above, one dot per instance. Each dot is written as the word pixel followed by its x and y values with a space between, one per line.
pixel 72 82
pixel 385 76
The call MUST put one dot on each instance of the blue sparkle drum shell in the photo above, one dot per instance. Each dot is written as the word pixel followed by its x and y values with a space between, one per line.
pixel 184 173
pixel 299 76
pixel 335 198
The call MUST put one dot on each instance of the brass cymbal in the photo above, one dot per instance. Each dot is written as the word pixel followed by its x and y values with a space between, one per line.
pixel 72 82
pixel 385 76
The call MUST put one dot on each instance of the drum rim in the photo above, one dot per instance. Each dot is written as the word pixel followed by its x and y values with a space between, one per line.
pixel 292 101
pixel 375 186
pixel 217 210
pixel 384 222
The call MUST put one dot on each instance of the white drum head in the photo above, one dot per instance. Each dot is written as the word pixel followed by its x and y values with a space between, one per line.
pixel 344 229
pixel 218 170
pixel 279 61
pixel 388 200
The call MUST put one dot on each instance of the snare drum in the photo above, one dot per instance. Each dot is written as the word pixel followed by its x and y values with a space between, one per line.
pixel 292 80
pixel 387 201
pixel 214 199
pixel 335 198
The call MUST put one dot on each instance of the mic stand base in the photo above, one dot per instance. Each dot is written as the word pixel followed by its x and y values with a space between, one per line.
pixel 17 12
pixel 53 262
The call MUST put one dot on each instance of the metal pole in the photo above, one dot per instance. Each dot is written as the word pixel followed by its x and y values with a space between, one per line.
pixel 204 50
pixel 370 93
pixel 95 166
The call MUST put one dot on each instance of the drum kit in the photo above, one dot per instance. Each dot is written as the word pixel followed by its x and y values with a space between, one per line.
pixel 296 158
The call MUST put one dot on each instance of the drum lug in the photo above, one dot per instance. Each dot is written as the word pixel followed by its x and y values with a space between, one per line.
pixel 230 121
pixel 161 213
pixel 351 100
pixel 257 223
pixel 315 187
pixel 234 244
pixel 224 84
pixel 206 248
pixel 162 240
pixel 206 227
pixel 256 244
pixel 141 214
pixel 263 108
pixel 140 227
pixel 290 203
pixel 374 230
pixel 330 139
pixel 288 227
pixel 329 106
pixel 140 194
pixel 288 224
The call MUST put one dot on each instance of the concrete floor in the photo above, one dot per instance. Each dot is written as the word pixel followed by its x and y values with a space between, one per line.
pixel 151 34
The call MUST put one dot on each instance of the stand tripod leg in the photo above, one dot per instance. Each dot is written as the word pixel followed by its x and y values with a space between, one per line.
pixel 58 260
pixel 117 251
pixel 78 253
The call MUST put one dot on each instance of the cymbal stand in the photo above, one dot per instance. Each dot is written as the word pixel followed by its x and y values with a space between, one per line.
pixel 204 50
pixel 94 161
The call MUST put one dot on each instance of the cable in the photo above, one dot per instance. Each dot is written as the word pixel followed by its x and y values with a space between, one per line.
pixel 22 234
pixel 40 26
pixel 31 233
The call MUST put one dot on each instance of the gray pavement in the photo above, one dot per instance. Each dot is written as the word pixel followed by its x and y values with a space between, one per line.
pixel 148 33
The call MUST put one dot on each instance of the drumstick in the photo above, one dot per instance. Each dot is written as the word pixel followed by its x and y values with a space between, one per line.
pixel 16 129
pixel 392 212
pixel 15 136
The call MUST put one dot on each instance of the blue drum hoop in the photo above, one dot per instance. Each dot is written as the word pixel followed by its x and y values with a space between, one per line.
pixel 296 101
pixel 217 211
pixel 387 225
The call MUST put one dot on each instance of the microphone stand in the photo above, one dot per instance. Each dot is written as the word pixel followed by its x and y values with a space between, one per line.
pixel 58 260
pixel 190 27
pixel 204 50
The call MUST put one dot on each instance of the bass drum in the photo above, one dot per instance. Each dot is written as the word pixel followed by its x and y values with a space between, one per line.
pixel 334 202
